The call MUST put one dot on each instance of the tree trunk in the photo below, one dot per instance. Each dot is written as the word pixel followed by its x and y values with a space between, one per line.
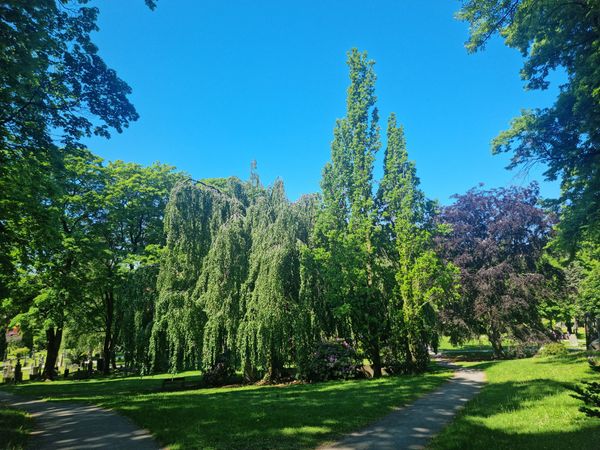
pixel 376 360
pixel 569 325
pixel 592 329
pixel 496 341
pixel 250 374
pixel 275 367
pixel 108 331
pixel 53 341
pixel 3 344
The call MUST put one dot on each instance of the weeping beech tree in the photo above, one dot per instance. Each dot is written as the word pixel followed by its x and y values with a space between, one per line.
pixel 228 288
pixel 137 314
pixel 219 290
pixel 271 291
pixel 193 216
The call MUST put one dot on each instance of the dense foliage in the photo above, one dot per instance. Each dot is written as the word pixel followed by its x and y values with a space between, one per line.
pixel 116 259
pixel 553 35
pixel 497 239
pixel 250 276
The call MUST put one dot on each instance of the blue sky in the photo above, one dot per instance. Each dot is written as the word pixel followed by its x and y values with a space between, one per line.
pixel 218 84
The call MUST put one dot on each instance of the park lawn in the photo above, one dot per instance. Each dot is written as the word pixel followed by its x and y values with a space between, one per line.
pixel 482 343
pixel 284 417
pixel 15 426
pixel 526 404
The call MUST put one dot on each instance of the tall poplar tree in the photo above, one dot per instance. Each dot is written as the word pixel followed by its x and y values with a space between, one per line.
pixel 346 228
pixel 423 281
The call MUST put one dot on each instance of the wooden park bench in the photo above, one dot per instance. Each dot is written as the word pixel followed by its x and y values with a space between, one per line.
pixel 172 384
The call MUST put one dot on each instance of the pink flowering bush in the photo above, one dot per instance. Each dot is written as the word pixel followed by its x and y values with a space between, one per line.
pixel 332 360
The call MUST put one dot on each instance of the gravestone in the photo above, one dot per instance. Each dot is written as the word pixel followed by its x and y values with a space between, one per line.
pixel 573 340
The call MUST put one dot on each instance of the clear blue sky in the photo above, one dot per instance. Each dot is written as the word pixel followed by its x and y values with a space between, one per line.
pixel 218 84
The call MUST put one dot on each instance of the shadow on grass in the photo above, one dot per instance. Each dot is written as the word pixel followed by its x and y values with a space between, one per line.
pixel 283 417
pixel 507 398
pixel 474 355
pixel 482 365
pixel 477 436
pixel 14 428
pixel 93 388
pixel 570 358
pixel 297 416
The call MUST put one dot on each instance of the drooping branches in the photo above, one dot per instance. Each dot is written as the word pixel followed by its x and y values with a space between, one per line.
pixel 230 277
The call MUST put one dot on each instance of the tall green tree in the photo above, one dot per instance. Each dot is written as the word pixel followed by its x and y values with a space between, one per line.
pixel 133 204
pixel 220 290
pixel 424 283
pixel 271 290
pixel 345 231
pixel 55 89
pixel 59 258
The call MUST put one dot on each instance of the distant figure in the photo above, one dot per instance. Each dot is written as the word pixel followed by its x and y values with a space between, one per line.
pixel 18 372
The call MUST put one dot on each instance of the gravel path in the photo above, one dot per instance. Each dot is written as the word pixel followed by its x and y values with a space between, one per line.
pixel 62 425
pixel 413 426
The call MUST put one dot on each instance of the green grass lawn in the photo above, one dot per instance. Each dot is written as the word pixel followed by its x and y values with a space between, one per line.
pixel 477 344
pixel 525 405
pixel 15 426
pixel 283 417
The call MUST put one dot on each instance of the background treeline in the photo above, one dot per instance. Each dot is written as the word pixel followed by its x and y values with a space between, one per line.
pixel 224 274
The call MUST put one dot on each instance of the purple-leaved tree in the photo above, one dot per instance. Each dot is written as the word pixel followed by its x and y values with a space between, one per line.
pixel 496 238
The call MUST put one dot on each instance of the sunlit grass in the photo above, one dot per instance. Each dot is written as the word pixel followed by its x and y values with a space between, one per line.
pixel 283 417
pixel 526 404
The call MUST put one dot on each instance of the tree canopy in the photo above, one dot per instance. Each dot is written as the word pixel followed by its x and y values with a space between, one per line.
pixel 497 239
pixel 563 37
pixel 119 260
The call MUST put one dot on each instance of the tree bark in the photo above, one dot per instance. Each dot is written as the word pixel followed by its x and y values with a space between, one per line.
pixel 275 366
pixel 3 344
pixel 496 341
pixel 108 331
pixel 376 360
pixel 53 341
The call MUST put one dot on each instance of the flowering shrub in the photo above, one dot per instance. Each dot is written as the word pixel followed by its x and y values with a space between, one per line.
pixel 332 360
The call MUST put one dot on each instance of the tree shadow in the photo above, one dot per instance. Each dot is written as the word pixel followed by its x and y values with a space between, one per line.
pixel 468 431
pixel 297 416
pixel 90 389
pixel 285 416
pixel 14 427
pixel 477 436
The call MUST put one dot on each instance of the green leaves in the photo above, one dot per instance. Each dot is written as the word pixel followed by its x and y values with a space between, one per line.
pixel 230 277
pixel 553 35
